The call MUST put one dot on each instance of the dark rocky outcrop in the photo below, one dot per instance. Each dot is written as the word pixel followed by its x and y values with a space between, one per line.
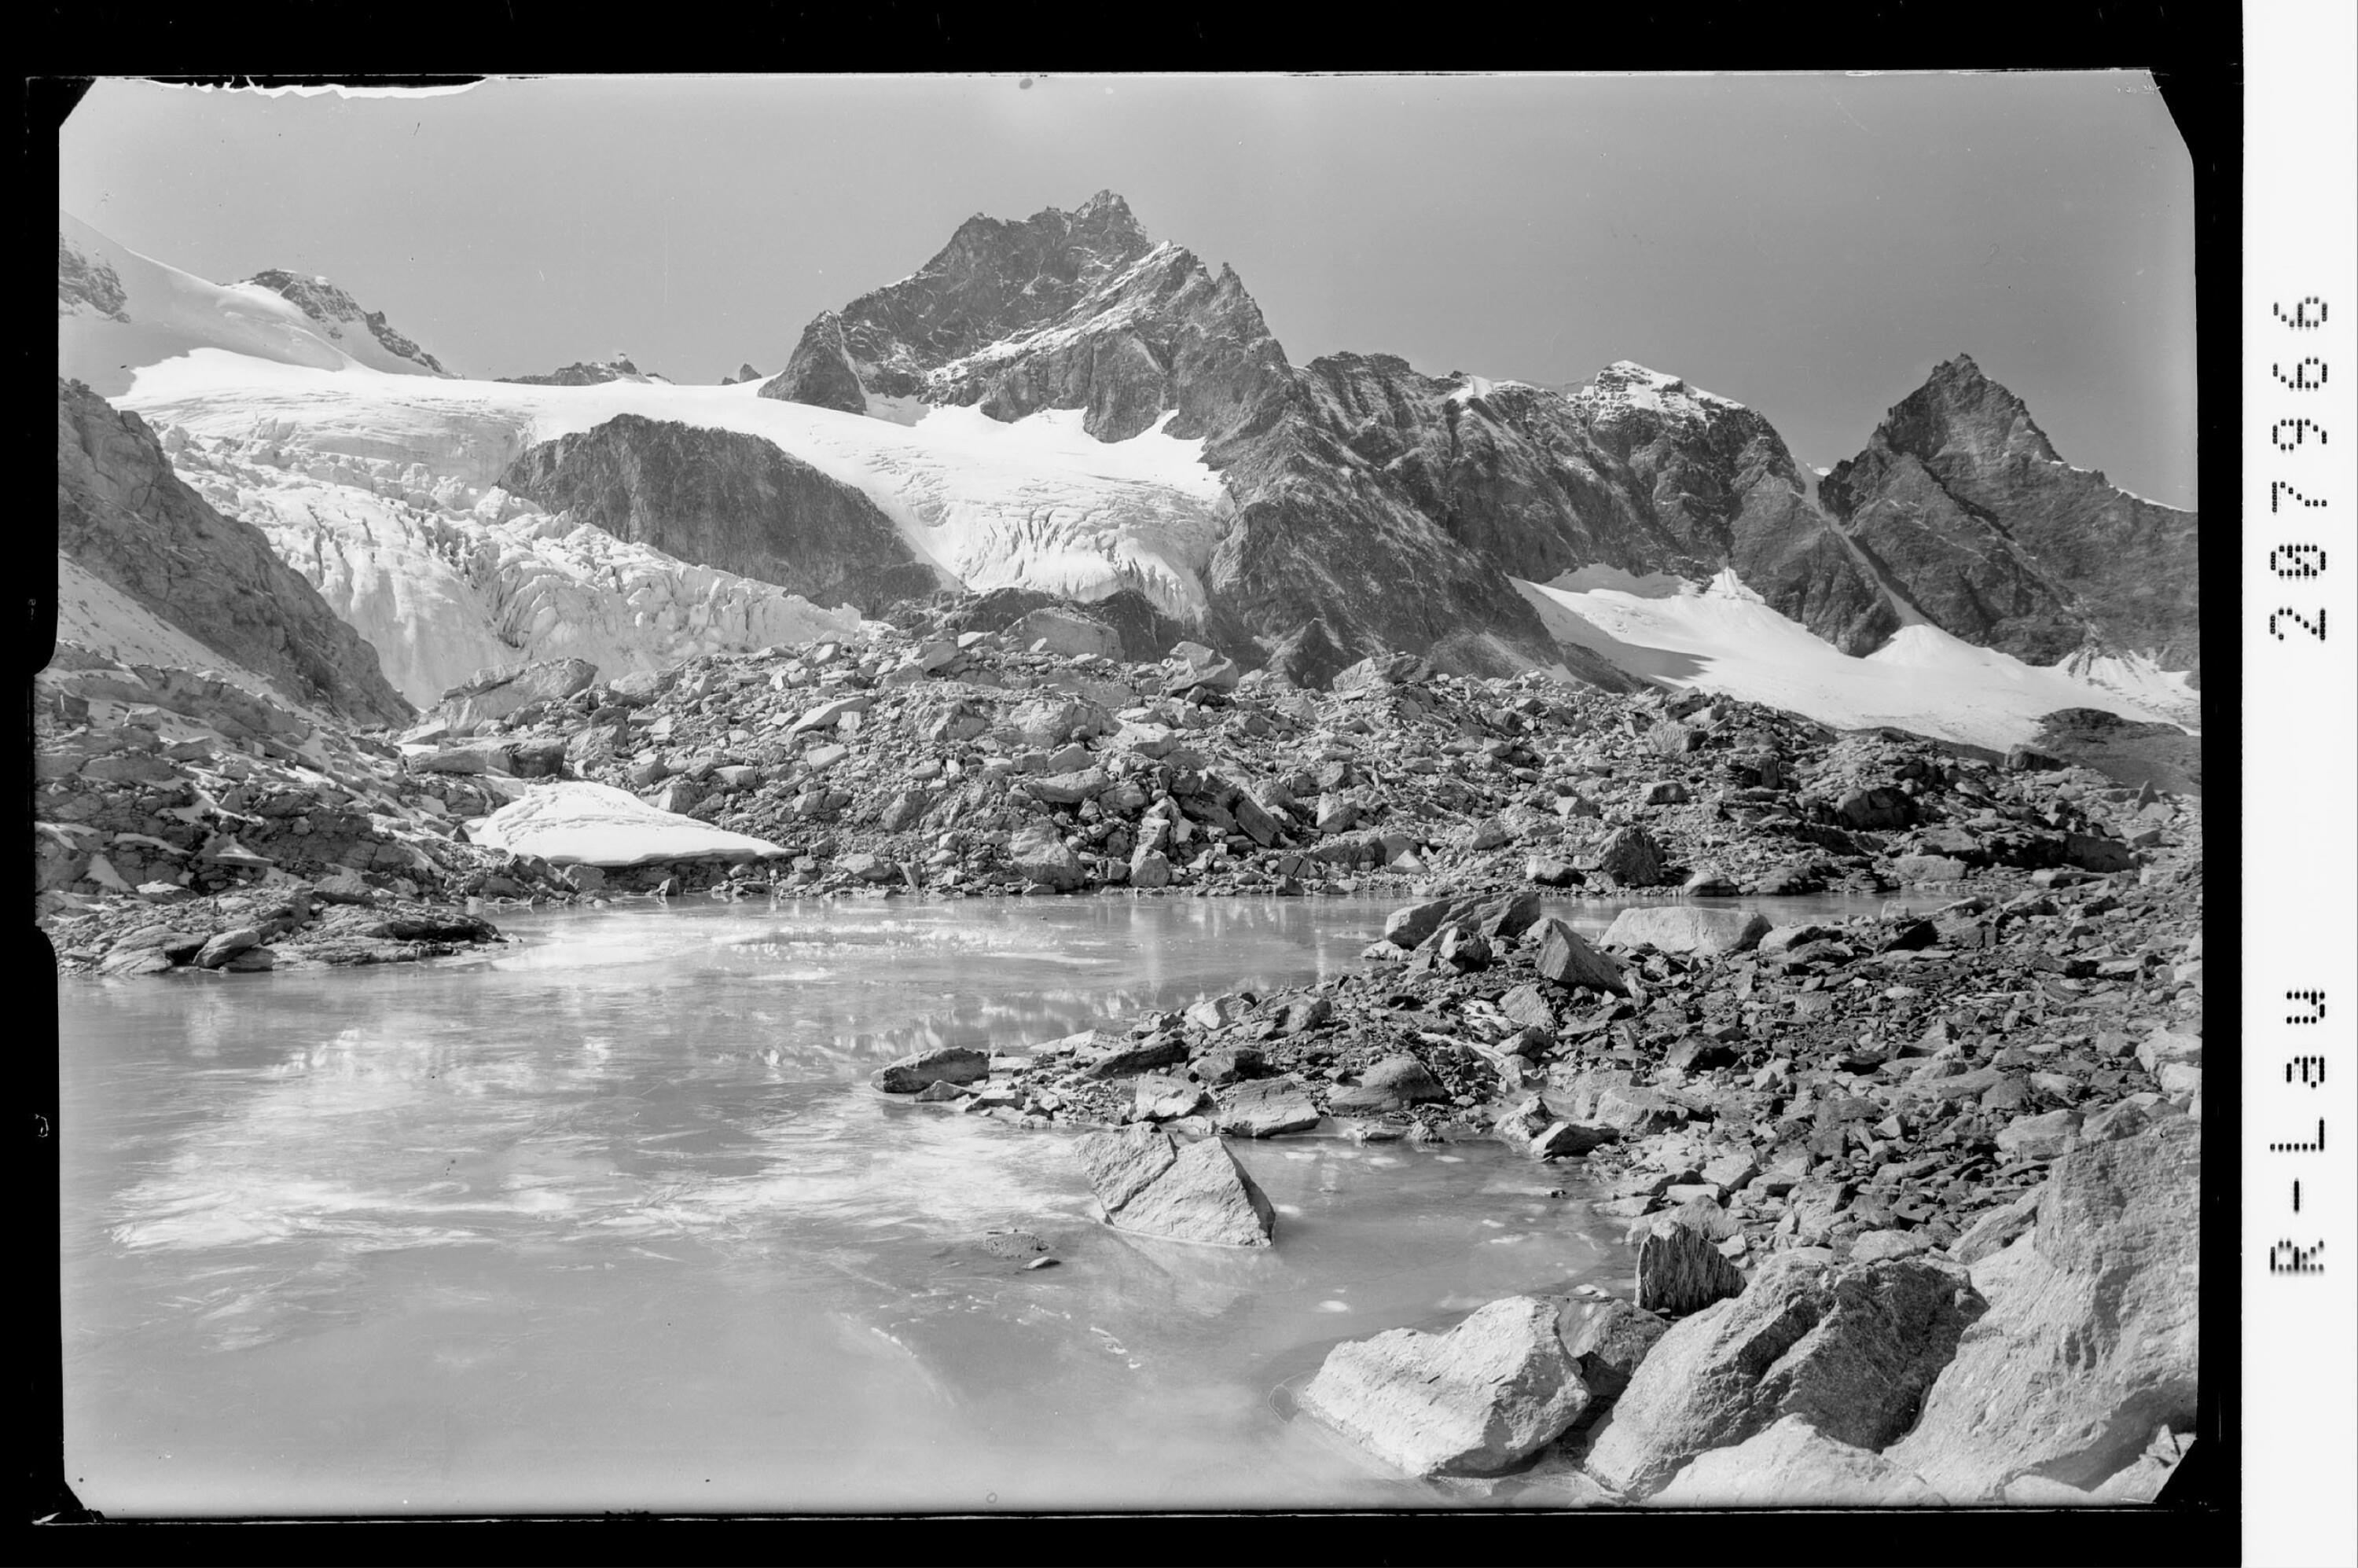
pixel 89 280
pixel 122 516
pixel 724 499
pixel 1963 501
pixel 583 373
pixel 334 309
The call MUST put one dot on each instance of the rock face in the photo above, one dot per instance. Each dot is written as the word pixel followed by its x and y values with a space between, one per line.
pixel 1792 1464
pixel 1075 309
pixel 1712 487
pixel 1680 1271
pixel 2090 1341
pixel 1471 1401
pixel 124 518
pixel 1148 1183
pixel 720 498
pixel 1963 502
pixel 335 311
pixel 1852 1346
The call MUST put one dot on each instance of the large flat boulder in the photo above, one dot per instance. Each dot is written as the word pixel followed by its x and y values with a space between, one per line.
pixel 1683 928
pixel 1499 915
pixel 1264 1108
pixel 1851 1346
pixel 496 693
pixel 1792 1464
pixel 2090 1343
pixel 1150 1183
pixel 1471 1401
pixel 596 825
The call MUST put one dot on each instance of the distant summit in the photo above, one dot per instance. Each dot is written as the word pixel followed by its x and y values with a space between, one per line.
pixel 1966 502
pixel 335 311
pixel 587 373
pixel 119 311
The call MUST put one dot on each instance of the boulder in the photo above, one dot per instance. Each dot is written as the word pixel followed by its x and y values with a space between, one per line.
pixel 1067 633
pixel 1133 1058
pixel 1402 1079
pixel 1040 855
pixel 1473 1401
pixel 1680 1270
pixel 220 949
pixel 1683 929
pixel 943 1065
pixel 827 715
pixel 1149 867
pixel 1159 1098
pixel 1851 1346
pixel 1792 1464
pixel 496 693
pixel 1630 856
pixel 1566 958
pixel 1503 916
pixel 2090 1341
pixel 1264 1108
pixel 1607 1341
pixel 2041 1137
pixel 1148 1183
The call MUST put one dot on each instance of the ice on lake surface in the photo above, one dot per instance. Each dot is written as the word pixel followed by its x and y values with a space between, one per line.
pixel 612 1220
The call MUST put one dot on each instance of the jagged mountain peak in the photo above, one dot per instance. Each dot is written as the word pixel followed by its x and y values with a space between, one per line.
pixel 1961 496
pixel 587 373
pixel 1960 412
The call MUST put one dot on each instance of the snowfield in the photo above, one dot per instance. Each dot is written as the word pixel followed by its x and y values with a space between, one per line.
pixel 1721 636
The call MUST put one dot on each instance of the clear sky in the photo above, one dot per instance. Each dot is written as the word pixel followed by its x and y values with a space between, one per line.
pixel 1811 245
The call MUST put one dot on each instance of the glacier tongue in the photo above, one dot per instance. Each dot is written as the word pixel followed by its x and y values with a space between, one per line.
pixel 445 580
pixel 377 489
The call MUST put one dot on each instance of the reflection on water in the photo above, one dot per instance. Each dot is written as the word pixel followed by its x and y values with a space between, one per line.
pixel 609 1221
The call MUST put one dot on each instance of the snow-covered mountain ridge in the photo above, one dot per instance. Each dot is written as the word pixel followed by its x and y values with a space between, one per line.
pixel 1060 404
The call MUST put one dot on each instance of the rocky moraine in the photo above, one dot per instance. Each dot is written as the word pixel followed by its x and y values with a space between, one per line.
pixel 1886 1180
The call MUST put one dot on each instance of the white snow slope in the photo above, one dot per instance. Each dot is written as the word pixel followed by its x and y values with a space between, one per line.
pixel 1723 637
pixel 172 312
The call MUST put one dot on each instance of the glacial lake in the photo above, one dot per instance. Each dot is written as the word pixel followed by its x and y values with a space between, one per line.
pixel 610 1220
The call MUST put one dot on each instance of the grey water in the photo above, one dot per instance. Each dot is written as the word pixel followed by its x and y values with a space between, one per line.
pixel 608 1219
